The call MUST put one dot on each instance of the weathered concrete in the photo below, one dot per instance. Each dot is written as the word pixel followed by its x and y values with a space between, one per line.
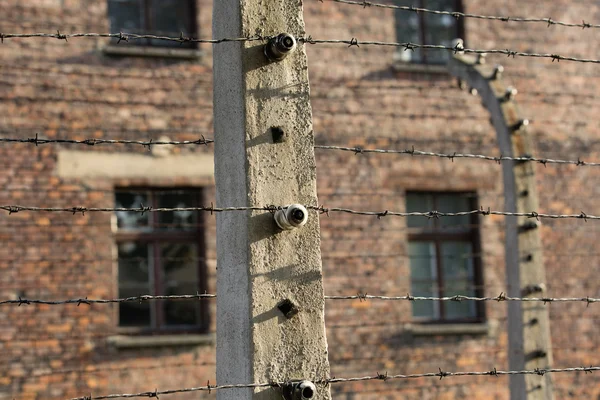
pixel 258 264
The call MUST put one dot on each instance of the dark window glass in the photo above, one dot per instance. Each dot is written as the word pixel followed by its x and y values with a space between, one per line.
pixel 157 17
pixel 160 253
pixel 444 256
pixel 427 28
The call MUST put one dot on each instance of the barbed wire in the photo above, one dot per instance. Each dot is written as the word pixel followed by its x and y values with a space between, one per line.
pixel 362 297
pixel 441 374
pixel 13 209
pixel 452 156
pixel 455 14
pixel 408 46
pixel 458 298
pixel 437 214
pixel 125 37
pixel 352 42
pixel 92 141
pixel 134 299
pixel 356 150
pixel 156 393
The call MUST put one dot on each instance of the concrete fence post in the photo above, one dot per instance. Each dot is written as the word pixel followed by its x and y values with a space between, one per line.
pixel 270 304
pixel 528 322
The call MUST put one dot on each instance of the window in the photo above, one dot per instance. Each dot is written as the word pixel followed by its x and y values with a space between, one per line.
pixel 157 17
pixel 160 253
pixel 444 257
pixel 427 28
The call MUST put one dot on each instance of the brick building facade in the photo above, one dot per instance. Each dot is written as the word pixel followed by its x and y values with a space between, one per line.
pixel 366 96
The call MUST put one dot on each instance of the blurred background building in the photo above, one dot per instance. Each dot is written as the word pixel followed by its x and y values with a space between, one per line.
pixel 380 97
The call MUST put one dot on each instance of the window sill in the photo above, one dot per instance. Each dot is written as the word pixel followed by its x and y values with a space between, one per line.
pixel 162 52
pixel 400 66
pixel 128 342
pixel 477 329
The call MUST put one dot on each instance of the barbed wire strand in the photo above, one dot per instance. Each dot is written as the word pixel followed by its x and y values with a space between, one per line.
pixel 378 376
pixel 125 37
pixel 13 209
pixel 408 46
pixel 356 150
pixel 92 141
pixel 455 14
pixel 452 156
pixel 137 299
pixel 352 42
pixel 362 297
pixel 458 298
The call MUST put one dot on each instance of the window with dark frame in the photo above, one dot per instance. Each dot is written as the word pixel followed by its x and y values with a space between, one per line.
pixel 427 28
pixel 444 257
pixel 156 17
pixel 160 253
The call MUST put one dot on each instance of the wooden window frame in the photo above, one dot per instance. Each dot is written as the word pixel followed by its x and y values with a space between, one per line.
pixel 469 235
pixel 146 6
pixel 196 236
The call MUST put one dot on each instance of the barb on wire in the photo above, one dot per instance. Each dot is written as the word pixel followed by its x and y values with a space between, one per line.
pixel 408 46
pixel 377 377
pixel 356 150
pixel 443 374
pixel 134 299
pixel 458 298
pixel 92 141
pixel 436 214
pixel 309 40
pixel 362 297
pixel 156 393
pixel 452 156
pixel 125 37
pixel 142 209
pixel 548 21
pixel 12 209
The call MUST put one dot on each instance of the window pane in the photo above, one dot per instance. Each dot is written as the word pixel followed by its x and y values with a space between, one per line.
pixel 134 280
pixel 440 29
pixel 178 220
pixel 452 203
pixel 460 309
pixel 171 18
pixel 130 220
pixel 458 269
pixel 180 276
pixel 419 202
pixel 423 274
pixel 408 30
pixel 457 261
pixel 126 16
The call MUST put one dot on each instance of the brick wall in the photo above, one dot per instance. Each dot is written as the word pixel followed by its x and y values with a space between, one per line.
pixel 74 90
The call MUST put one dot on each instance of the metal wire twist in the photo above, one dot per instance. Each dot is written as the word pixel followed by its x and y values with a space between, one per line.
pixel 362 297
pixel 455 14
pixel 12 209
pixel 92 141
pixel 352 42
pixel 452 156
pixel 441 374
